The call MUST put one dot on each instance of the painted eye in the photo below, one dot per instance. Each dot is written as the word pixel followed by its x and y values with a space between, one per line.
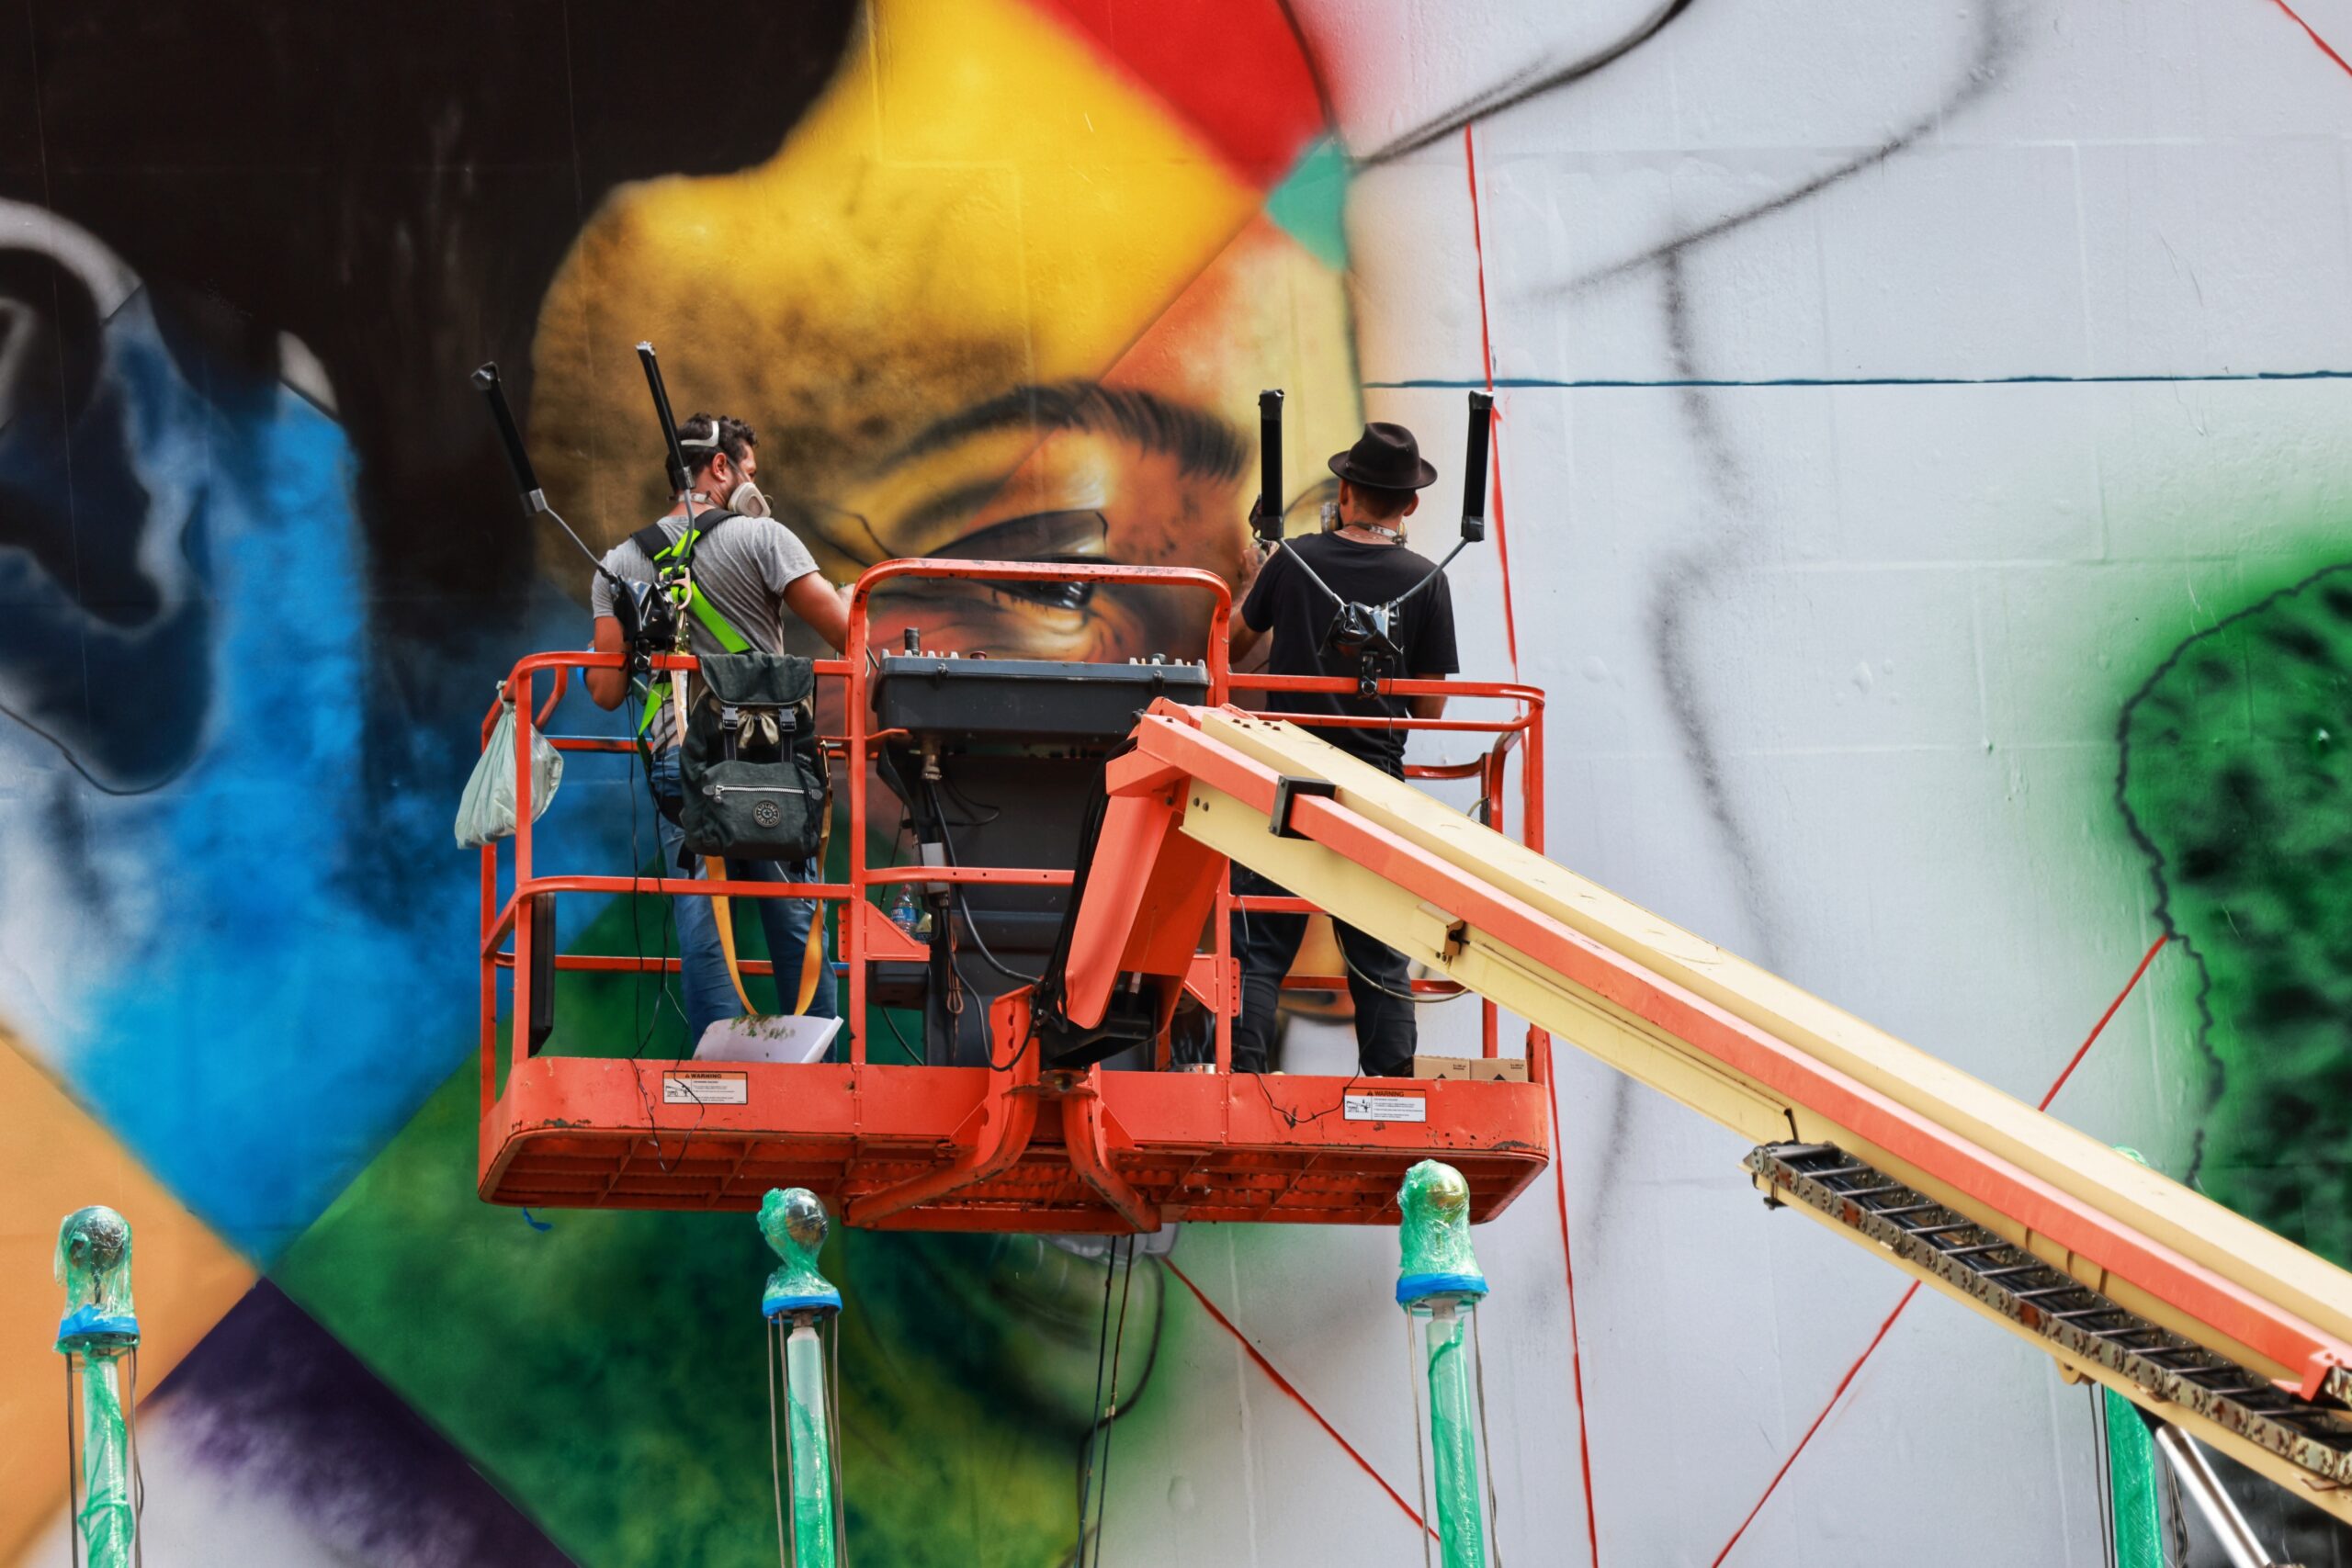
pixel 1080 535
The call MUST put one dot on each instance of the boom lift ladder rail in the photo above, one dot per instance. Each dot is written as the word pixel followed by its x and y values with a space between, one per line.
pixel 2211 1323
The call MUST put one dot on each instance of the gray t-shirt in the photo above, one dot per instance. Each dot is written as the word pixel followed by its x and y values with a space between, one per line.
pixel 743 568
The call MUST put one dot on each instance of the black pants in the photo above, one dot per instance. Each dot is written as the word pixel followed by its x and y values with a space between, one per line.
pixel 1266 945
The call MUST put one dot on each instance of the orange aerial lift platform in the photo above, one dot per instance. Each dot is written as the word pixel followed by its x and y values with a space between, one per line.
pixel 1062 1102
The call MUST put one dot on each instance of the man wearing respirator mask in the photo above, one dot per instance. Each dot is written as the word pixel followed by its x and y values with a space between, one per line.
pixel 750 573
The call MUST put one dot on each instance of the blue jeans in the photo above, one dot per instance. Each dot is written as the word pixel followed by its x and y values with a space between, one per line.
pixel 710 995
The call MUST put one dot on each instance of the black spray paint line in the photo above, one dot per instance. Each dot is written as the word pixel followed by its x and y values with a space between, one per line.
pixel 1686 578
pixel 1689 574
pixel 1996 43
pixel 1528 82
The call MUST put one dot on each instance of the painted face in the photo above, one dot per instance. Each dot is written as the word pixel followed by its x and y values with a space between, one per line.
pixel 987 301
pixel 959 341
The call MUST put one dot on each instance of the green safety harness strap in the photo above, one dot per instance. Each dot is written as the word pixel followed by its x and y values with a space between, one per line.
pixel 670 560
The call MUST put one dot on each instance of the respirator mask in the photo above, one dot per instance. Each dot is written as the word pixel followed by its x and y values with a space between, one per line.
pixel 747 502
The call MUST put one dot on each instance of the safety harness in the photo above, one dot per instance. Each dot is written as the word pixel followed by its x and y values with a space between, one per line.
pixel 674 576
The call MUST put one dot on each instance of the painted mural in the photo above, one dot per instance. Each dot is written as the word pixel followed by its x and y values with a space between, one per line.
pixel 1920 486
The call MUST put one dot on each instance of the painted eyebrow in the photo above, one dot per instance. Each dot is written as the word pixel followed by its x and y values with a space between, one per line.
pixel 1203 445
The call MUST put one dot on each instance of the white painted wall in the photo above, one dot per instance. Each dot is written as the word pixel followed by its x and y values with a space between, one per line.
pixel 1898 605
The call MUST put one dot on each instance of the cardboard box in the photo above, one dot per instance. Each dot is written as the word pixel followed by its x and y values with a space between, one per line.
pixel 1478 1069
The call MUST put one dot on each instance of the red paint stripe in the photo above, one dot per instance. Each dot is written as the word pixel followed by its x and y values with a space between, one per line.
pixel 2312 34
pixel 1291 1389
pixel 1486 360
pixel 1839 1393
pixel 1576 1341
pixel 1872 1347
pixel 2146 959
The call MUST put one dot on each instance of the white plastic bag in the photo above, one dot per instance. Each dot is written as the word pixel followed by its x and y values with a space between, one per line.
pixel 486 811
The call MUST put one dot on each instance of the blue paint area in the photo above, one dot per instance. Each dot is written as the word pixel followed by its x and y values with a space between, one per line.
pixel 254 969
pixel 1479 382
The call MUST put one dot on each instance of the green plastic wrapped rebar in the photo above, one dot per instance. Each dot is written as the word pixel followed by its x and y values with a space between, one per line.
pixel 2131 1483
pixel 2131 1473
pixel 812 1464
pixel 793 1221
pixel 1438 1276
pixel 97 1330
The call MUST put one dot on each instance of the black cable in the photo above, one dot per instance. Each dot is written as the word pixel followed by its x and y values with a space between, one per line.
pixel 1111 1416
pixel 1400 995
pixel 970 805
pixel 637 937
pixel 74 1471
pixel 2101 1438
pixel 955 892
pixel 1102 1358
pixel 1291 1119
pixel 783 1544
pixel 138 1471
pixel 913 1057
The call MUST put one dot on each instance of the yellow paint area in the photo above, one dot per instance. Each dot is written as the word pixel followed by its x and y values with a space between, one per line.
pixel 53 1159
pixel 975 204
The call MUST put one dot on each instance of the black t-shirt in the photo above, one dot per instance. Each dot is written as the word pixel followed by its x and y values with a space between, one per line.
pixel 1285 602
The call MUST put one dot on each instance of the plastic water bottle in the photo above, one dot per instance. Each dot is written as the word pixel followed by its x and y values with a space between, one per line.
pixel 904 912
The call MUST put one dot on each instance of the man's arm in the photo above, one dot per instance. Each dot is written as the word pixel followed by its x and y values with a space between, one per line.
pixel 1244 637
pixel 1435 653
pixel 819 604
pixel 1262 579
pixel 607 687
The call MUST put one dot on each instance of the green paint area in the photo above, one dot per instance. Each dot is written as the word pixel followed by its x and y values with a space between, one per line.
pixel 1309 204
pixel 2237 782
pixel 607 1373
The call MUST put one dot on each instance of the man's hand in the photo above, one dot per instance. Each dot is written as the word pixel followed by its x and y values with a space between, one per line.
pixel 1254 561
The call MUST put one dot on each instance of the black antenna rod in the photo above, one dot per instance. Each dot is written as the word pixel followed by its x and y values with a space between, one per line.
pixel 1474 469
pixel 1267 519
pixel 679 473
pixel 526 479
pixel 487 382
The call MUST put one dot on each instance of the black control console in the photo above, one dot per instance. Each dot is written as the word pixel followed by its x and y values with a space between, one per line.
pixel 1034 701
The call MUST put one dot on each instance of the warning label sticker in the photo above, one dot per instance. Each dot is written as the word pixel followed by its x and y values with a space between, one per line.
pixel 706 1088
pixel 1385 1107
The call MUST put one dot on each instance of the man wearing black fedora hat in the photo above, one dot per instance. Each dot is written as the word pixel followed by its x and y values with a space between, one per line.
pixel 1362 560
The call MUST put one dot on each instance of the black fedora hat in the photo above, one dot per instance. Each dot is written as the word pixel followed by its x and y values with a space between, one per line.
pixel 1385 457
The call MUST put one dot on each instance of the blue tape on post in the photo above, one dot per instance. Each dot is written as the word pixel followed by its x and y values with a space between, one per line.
pixel 817 1301
pixel 87 1324
pixel 1411 1288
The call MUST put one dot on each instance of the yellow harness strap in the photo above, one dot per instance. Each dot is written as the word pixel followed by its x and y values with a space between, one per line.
pixel 813 953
